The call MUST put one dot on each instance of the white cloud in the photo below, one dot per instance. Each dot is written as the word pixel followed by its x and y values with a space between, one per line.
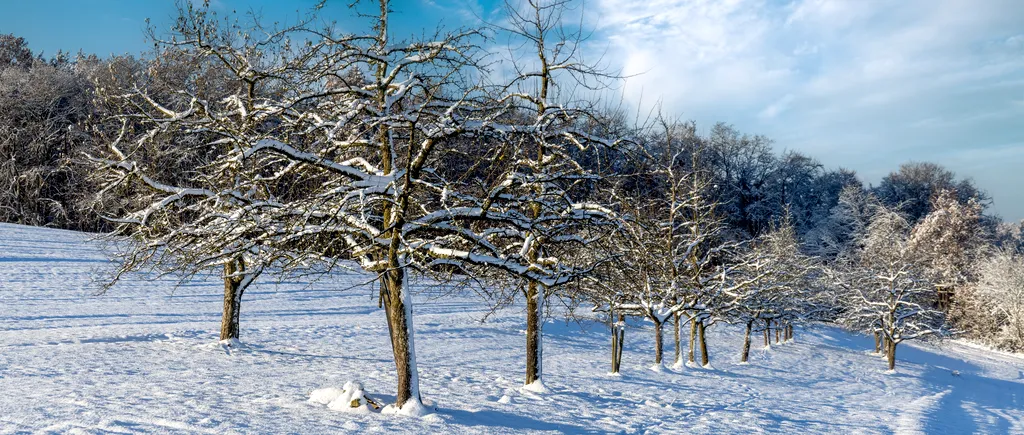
pixel 699 52
pixel 866 84
pixel 468 11
pixel 777 107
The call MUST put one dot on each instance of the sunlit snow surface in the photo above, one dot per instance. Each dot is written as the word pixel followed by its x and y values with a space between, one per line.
pixel 144 358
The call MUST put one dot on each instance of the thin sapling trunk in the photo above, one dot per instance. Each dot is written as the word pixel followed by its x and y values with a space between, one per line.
pixel 658 345
pixel 622 341
pixel 891 355
pixel 746 341
pixel 615 339
pixel 693 338
pixel 679 348
pixel 705 359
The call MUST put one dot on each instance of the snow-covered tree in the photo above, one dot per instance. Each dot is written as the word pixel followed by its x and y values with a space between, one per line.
pixel 642 274
pixel 838 234
pixel 704 258
pixel 795 190
pixel 914 185
pixel 817 200
pixel 1000 294
pixel 536 207
pixel 743 170
pixel 678 249
pixel 171 160
pixel 773 286
pixel 43 109
pixel 1010 235
pixel 886 289
pixel 608 289
pixel 14 52
pixel 948 240
pixel 321 154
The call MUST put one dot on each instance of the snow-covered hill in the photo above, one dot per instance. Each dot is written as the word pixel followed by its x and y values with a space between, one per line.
pixel 144 358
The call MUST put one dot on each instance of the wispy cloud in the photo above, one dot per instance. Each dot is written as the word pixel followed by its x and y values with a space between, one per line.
pixel 465 11
pixel 866 84
pixel 777 107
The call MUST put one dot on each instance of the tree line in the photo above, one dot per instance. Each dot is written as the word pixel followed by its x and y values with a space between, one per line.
pixel 254 149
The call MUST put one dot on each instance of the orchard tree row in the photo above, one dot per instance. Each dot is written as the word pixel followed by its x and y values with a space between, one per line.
pixel 256 149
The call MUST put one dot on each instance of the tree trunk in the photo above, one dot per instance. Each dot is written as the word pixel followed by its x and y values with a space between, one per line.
pixel 679 348
pixel 778 332
pixel 534 334
pixel 615 338
pixel 885 338
pixel 790 329
pixel 618 336
pixel 399 314
pixel 746 341
pixel 233 290
pixel 693 338
pixel 704 357
pixel 767 332
pixel 622 341
pixel 878 342
pixel 658 346
pixel 892 355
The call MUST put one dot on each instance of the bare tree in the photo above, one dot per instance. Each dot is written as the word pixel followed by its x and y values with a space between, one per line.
pixel 774 270
pixel 914 185
pixel 320 154
pixel 533 203
pixel 888 292
pixel 676 248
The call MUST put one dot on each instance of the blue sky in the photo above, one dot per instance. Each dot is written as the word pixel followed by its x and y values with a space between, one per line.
pixel 862 84
pixel 117 26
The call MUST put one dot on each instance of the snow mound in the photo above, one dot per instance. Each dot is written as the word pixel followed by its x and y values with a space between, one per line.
pixel 535 387
pixel 433 418
pixel 324 396
pixel 223 345
pixel 232 343
pixel 411 408
pixel 350 399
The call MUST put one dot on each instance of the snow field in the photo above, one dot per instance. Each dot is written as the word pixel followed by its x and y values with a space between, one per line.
pixel 144 357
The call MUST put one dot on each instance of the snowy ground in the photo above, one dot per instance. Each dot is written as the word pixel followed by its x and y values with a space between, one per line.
pixel 143 358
